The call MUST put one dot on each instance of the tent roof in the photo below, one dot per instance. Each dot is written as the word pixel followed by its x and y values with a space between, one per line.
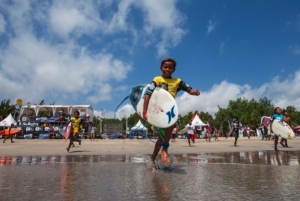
pixel 8 121
pixel 197 121
pixel 139 126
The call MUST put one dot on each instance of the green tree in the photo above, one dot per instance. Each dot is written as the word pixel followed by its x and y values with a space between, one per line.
pixel 6 108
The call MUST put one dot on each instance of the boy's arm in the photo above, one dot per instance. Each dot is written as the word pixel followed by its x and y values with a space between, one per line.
pixel 145 108
pixel 147 98
pixel 185 87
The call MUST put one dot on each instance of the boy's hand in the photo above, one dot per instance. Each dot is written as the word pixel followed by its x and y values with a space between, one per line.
pixel 194 92
pixel 145 116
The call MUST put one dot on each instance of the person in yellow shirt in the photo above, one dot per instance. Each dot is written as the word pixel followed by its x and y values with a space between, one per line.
pixel 76 127
pixel 172 85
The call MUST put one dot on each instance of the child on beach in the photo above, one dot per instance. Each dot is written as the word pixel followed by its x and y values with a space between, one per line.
pixel 191 132
pixel 76 126
pixel 276 116
pixel 9 135
pixel 236 127
pixel 172 85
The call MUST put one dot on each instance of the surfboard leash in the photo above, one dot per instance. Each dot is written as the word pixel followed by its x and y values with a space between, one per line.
pixel 120 105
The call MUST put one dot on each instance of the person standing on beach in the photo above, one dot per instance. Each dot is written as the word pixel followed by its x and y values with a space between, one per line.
pixel 191 132
pixel 175 130
pixel 276 116
pixel 9 135
pixel 215 134
pixel 236 127
pixel 172 85
pixel 208 133
pixel 93 132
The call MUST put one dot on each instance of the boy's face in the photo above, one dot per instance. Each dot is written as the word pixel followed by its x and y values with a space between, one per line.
pixel 167 69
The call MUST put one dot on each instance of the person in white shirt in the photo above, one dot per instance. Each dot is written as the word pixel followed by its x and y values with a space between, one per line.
pixel 191 132
pixel 93 131
pixel 174 133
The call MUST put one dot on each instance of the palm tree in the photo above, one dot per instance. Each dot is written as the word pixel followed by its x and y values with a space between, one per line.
pixel 6 109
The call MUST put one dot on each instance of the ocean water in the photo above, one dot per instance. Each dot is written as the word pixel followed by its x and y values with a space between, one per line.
pixel 264 175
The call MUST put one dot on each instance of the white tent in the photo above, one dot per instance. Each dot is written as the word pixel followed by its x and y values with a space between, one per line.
pixel 138 126
pixel 197 121
pixel 8 121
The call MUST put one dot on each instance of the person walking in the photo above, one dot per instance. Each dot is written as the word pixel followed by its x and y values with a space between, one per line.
pixel 10 135
pixel 191 132
pixel 172 85
pixel 236 127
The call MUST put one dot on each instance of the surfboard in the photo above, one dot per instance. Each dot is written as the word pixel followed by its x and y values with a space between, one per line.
pixel 282 129
pixel 62 131
pixel 162 109
pixel 68 131
pixel 265 120
pixel 12 131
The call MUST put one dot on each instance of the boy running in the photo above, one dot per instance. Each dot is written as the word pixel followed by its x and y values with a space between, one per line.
pixel 172 85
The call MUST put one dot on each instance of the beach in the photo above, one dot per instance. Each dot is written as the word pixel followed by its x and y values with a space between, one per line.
pixel 32 147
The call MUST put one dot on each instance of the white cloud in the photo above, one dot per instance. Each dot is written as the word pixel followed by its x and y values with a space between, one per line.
pixel 69 18
pixel 165 18
pixel 211 26
pixel 282 93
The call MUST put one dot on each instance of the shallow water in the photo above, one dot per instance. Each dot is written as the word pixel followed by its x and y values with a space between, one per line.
pixel 231 176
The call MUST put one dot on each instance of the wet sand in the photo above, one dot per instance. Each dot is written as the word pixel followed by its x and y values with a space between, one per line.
pixel 31 147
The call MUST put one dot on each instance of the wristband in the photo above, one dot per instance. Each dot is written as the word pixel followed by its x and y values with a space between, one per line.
pixel 144 112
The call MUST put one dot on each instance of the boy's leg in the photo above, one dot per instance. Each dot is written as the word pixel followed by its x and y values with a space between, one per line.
pixel 156 148
pixel 165 144
pixel 275 142
pixel 70 144
pixel 286 145
pixel 281 142
pixel 189 140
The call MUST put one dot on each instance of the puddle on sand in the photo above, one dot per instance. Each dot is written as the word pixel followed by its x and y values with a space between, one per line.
pixel 223 176
pixel 261 158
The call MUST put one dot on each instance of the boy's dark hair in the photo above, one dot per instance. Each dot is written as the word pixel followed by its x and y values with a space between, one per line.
pixel 275 109
pixel 168 60
pixel 76 112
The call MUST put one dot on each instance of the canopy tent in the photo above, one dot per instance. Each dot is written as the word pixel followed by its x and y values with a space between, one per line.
pixel 138 126
pixel 8 121
pixel 197 121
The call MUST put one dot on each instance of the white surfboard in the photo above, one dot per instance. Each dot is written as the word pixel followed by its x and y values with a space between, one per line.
pixel 162 109
pixel 62 131
pixel 265 120
pixel 282 129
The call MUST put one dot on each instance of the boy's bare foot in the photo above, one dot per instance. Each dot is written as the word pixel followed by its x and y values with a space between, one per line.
pixel 164 156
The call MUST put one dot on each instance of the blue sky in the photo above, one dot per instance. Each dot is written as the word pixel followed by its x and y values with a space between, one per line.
pixel 94 52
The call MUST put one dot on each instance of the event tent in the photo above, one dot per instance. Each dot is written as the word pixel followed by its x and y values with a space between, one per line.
pixel 8 121
pixel 197 121
pixel 138 126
